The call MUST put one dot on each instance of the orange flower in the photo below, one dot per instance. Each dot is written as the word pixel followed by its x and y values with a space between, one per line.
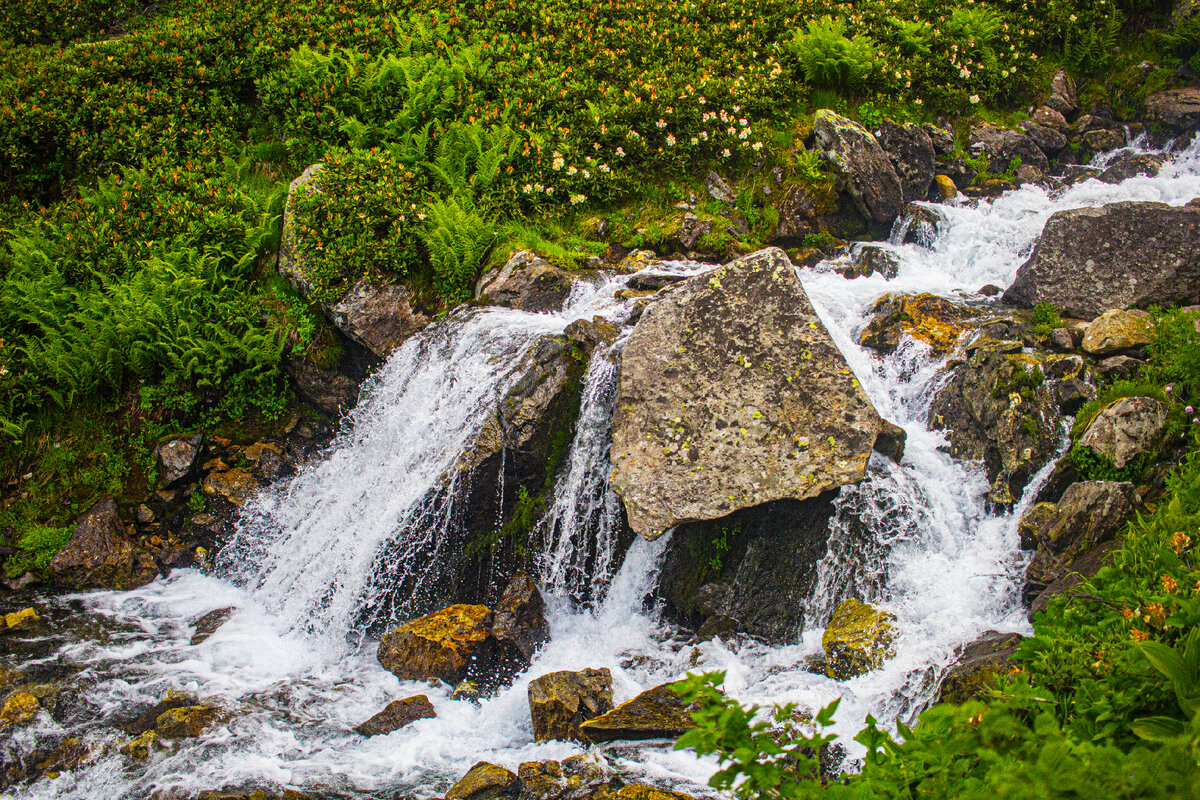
pixel 1180 542
pixel 1156 614
pixel 1139 635
pixel 1127 613
pixel 1169 585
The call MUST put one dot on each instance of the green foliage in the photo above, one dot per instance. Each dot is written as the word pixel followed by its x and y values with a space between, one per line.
pixel 1094 46
pixel 1045 317
pixel 829 58
pixel 37 545
pixel 457 238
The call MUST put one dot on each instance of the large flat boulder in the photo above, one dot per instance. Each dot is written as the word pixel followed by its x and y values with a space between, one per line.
pixel 657 713
pixel 732 394
pixel 862 163
pixel 1119 255
pixel 1175 109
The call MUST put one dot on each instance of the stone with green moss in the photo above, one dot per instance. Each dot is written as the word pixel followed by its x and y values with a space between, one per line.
pixel 858 639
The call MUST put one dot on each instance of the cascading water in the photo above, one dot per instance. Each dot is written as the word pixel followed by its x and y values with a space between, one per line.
pixel 913 536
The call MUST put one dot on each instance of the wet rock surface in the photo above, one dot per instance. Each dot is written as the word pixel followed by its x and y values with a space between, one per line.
pixel 979 665
pixel 934 320
pixel 100 554
pixel 527 282
pixel 857 640
pixel 397 714
pixel 731 394
pixel 486 781
pixel 864 166
pixel 656 713
pixel 912 155
pixel 1089 260
pixel 451 645
pixel 560 702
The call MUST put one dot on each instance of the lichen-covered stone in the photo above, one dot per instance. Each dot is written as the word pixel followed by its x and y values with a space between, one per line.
pixel 176 458
pixel 235 484
pixel 397 714
pixel 858 639
pixel 944 187
pixel 656 713
pixel 100 555
pixel 142 745
pixel 1115 331
pixel 19 708
pixel 26 617
pixel 1119 255
pixel 642 791
pixel 450 645
pixel 292 263
pixel 862 163
pixel 1125 429
pixel 377 315
pixel 911 152
pixel 206 625
pixel 486 781
pixel 185 722
pixel 731 394
pixel 1177 109
pixel 573 778
pixel 934 320
pixel 560 702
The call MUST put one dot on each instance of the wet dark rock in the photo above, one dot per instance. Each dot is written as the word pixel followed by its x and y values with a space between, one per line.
pixel 959 171
pixel 377 315
pixel 1089 260
pixel 148 719
pixel 872 259
pixel 520 624
pixel 760 403
pixel 100 554
pixel 979 665
pixel 912 154
pixel 917 224
pixel 207 624
pixel 1073 393
pixel 858 639
pixel 934 320
pixel 527 282
pixel 653 281
pixel 1089 514
pixel 997 408
pixel 486 781
pixel 398 714
pixel 1120 367
pixel 185 722
pixel 864 166
pixel 891 441
pixel 574 778
pixel 1132 165
pixel 656 713
pixel 453 644
pixel 176 457
pixel 941 138
pixel 752 572
pixel 642 791
pixel 561 701
pixel 1049 140
pixel 1175 109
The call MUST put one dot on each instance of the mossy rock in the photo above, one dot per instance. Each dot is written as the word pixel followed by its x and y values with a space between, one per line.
pixel 657 713
pixel 185 722
pixel 18 709
pixel 858 639
pixel 450 645
pixel 486 781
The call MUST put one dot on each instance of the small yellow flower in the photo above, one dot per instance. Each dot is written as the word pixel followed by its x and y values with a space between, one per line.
pixel 1169 585
pixel 1139 635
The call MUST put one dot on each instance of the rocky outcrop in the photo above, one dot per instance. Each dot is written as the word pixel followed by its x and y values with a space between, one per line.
pixel 292 262
pixel 1000 408
pixel 1125 429
pixel 934 320
pixel 573 778
pixel 100 554
pixel 864 166
pixel 1001 146
pixel 1178 110
pixel 176 457
pixel 917 223
pixel 1118 255
pixel 1117 331
pixel 731 394
pixel 911 152
pixel 642 791
pixel 979 665
pixel 527 282
pixel 858 639
pixel 453 645
pixel 1062 94
pixel 486 781
pixel 751 572
pixel 377 315
pixel 520 624
pixel 561 701
pixel 398 714
pixel 1131 165
pixel 656 713
pixel 1072 536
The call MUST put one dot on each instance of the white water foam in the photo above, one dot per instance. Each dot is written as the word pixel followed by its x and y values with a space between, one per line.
pixel 292 691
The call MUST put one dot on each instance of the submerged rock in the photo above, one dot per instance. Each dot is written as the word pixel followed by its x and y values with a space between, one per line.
pixel 398 714
pixel 934 320
pixel 573 778
pixel 858 639
pixel 862 163
pixel 527 282
pixel 642 791
pixel 918 224
pixel 561 701
pixel 100 555
pixel 979 665
pixel 657 713
pixel 185 722
pixel 207 624
pixel 1116 331
pixel 451 645
pixel 1125 429
pixel 1089 260
pixel 732 394
pixel 872 259
pixel 486 781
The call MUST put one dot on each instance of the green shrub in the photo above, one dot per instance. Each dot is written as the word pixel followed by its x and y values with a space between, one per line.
pixel 829 58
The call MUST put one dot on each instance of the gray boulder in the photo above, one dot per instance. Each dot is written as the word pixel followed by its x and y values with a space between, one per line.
pixel 864 166
pixel 1125 429
pixel 377 315
pixel 1132 165
pixel 1063 98
pixel 527 282
pixel 176 457
pixel 101 555
pixel 731 394
pixel 1118 255
pixel 1049 140
pixel 291 260
pixel 1001 146
pixel 911 151
pixel 1175 109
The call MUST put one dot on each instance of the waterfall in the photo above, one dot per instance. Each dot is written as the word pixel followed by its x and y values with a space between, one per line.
pixel 321 555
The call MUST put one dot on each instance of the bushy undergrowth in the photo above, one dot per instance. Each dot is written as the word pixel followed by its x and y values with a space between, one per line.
pixel 1104 699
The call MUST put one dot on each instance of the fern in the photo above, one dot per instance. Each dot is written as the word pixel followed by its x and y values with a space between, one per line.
pixel 831 59
pixel 456 237
pixel 1095 46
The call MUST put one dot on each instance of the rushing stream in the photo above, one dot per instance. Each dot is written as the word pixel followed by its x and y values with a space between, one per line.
pixel 315 556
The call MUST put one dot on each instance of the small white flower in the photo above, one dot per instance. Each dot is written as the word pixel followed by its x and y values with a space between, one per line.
pixel 604 168
pixel 558 162
pixel 725 152
pixel 757 146
pixel 576 199
pixel 974 99
pixel 572 170
pixel 670 140
pixel 621 152
pixel 527 188
pixel 662 123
